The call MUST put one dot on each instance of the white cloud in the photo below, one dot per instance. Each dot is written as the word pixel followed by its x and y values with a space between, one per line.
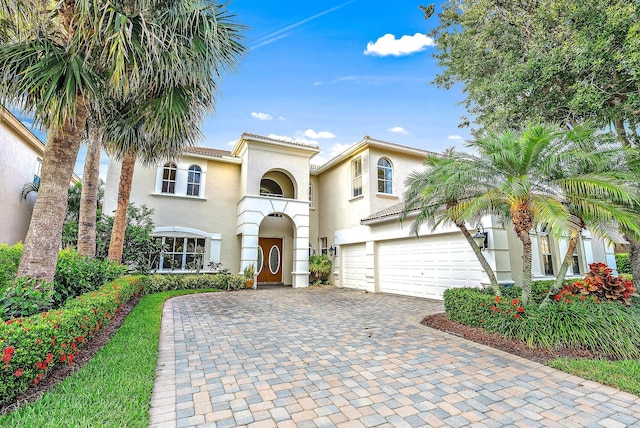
pixel 282 118
pixel 317 135
pixel 261 116
pixel 293 140
pixel 232 143
pixel 454 137
pixel 398 130
pixel 336 149
pixel 405 45
pixel 280 137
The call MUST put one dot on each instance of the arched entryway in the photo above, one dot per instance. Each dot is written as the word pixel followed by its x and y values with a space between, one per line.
pixel 275 250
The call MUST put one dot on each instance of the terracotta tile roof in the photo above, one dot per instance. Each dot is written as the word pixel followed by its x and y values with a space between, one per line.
pixel 207 151
pixel 392 211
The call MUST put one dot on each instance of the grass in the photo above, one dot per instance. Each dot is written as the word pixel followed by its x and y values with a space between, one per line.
pixel 114 388
pixel 624 374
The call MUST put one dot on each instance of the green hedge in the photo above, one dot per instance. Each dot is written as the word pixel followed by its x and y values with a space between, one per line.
pixel 32 346
pixel 9 261
pixel 220 281
pixel 623 264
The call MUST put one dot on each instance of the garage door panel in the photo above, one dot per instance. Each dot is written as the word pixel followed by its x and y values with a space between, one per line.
pixel 426 267
pixel 353 266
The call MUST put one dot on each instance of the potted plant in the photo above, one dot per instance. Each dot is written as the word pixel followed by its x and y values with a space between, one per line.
pixel 320 268
pixel 249 275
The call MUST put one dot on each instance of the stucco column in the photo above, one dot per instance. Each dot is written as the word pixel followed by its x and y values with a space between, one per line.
pixel 300 274
pixel 249 249
pixel 497 253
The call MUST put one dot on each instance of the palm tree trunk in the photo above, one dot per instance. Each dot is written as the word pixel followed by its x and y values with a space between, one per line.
pixel 120 220
pixel 634 259
pixel 483 262
pixel 522 219
pixel 89 196
pixel 43 240
pixel 568 257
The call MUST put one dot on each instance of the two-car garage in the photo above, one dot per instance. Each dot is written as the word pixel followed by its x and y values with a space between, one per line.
pixel 423 267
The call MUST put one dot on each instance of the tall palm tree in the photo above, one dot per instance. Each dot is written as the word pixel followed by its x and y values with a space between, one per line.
pixel 87 218
pixel 162 116
pixel 55 59
pixel 434 191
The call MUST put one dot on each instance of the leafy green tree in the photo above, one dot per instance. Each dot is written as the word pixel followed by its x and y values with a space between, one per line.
pixel 531 179
pixel 559 61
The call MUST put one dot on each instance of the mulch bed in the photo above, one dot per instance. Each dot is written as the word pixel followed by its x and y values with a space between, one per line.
pixel 496 340
pixel 59 373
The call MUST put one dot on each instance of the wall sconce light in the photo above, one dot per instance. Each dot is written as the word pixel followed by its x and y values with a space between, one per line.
pixel 481 237
pixel 333 251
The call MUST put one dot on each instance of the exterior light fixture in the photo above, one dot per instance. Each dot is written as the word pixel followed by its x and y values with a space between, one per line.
pixel 333 251
pixel 480 237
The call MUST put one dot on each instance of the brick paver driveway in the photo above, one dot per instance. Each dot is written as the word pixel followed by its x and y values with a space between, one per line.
pixel 332 357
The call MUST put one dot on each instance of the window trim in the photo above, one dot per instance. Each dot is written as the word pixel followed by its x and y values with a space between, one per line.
pixel 387 169
pixel 167 169
pixel 545 247
pixel 356 177
pixel 184 253
pixel 194 180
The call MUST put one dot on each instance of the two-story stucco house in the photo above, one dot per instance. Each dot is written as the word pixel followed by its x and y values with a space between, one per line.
pixel 264 203
pixel 21 155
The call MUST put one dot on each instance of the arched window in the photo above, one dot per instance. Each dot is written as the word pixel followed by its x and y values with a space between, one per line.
pixel 269 187
pixel 193 180
pixel 169 177
pixel 385 176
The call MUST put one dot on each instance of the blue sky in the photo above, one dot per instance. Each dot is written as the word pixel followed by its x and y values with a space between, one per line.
pixel 331 72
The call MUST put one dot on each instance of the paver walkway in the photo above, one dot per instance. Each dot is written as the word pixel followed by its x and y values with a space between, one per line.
pixel 332 357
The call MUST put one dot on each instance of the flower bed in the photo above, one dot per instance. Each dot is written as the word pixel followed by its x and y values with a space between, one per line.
pixel 32 346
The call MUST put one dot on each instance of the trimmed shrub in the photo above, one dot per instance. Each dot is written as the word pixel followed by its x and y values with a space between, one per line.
pixel 25 297
pixel 220 281
pixel 31 346
pixel 470 306
pixel 76 274
pixel 623 264
pixel 9 261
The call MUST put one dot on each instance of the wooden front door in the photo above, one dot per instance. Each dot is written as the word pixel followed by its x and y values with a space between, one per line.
pixel 269 260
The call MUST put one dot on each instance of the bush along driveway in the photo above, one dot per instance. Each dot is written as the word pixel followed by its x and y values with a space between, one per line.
pixel 326 357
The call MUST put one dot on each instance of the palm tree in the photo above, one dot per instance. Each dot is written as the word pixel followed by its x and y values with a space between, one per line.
pixel 163 115
pixel 87 218
pixel 434 191
pixel 606 163
pixel 531 179
pixel 55 59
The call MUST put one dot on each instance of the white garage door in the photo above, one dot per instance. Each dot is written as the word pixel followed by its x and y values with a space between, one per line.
pixel 427 266
pixel 352 269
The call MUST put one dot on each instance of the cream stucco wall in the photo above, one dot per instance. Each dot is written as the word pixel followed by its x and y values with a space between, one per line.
pixel 19 153
pixel 212 213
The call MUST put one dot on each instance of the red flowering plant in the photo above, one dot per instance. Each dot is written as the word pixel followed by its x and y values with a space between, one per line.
pixel 599 284
pixel 32 346
pixel 509 308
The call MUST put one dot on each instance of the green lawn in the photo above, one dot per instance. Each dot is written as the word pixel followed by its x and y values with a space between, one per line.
pixel 114 388
pixel 624 375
